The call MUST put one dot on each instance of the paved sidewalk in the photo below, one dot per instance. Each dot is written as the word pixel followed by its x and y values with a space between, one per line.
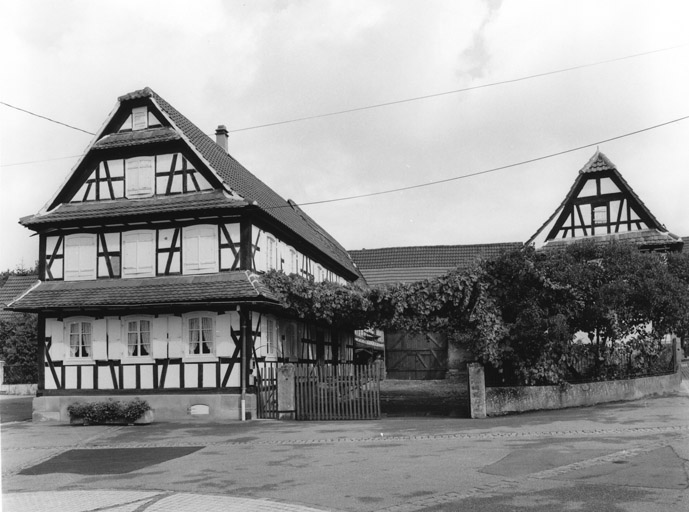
pixel 631 456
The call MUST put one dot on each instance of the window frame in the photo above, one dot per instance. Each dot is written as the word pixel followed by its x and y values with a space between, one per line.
pixel 133 189
pixel 272 338
pixel 186 336
pixel 126 320
pixel 82 275
pixel 128 274
pixel 189 237
pixel 81 322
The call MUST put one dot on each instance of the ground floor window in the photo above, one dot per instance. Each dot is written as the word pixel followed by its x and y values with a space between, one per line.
pixel 200 335
pixel 80 339
pixel 139 338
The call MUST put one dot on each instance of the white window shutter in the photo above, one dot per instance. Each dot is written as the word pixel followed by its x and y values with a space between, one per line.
pixel 117 347
pixel 175 345
pixel 159 335
pixel 200 248
pixel 99 342
pixel 80 256
pixel 145 254
pixel 139 118
pixel 139 176
pixel 55 330
pixel 223 336
pixel 129 256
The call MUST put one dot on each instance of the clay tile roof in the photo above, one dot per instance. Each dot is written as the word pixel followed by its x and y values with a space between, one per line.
pixel 138 137
pixel 646 238
pixel 408 264
pixel 597 163
pixel 122 208
pixel 146 292
pixel 13 288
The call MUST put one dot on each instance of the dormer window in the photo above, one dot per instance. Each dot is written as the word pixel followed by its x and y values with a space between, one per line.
pixel 139 118
pixel 139 176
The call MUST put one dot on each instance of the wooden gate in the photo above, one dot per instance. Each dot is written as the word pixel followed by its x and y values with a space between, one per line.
pixel 416 356
pixel 337 392
pixel 266 390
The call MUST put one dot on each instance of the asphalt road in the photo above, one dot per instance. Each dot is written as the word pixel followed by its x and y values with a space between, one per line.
pixel 15 408
pixel 631 457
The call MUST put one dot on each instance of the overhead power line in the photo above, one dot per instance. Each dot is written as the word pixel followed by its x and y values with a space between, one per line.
pixel 367 107
pixel 454 91
pixel 487 171
pixel 46 118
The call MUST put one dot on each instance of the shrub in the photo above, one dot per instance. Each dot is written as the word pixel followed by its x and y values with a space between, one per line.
pixel 109 410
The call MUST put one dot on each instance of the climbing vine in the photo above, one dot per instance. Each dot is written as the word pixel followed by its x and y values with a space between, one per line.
pixel 520 314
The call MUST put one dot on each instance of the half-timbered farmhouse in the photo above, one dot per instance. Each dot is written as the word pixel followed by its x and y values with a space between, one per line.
pixel 601 206
pixel 151 255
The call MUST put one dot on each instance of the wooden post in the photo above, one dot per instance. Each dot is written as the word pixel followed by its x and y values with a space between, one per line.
pixel 477 390
pixel 40 353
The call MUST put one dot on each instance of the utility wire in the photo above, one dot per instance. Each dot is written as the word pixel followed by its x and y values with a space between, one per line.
pixel 46 118
pixel 369 107
pixel 494 169
pixel 40 161
pixel 455 91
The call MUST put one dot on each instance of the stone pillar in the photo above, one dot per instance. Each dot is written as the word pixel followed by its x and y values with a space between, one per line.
pixel 286 392
pixel 2 372
pixel 477 390
pixel 677 350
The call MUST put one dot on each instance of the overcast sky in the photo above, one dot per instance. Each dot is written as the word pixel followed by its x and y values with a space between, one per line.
pixel 243 64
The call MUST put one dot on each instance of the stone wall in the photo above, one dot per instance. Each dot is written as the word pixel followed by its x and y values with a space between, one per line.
pixel 499 401
pixel 486 401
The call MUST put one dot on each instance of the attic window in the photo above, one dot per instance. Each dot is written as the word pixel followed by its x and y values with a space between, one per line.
pixel 139 177
pixel 600 215
pixel 140 119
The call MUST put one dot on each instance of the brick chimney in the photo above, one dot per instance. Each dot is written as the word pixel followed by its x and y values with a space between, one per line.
pixel 221 136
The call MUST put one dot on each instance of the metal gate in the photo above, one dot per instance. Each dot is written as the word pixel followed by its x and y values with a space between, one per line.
pixel 416 356
pixel 337 392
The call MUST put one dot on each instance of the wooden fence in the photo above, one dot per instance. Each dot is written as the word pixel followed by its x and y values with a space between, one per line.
pixel 337 392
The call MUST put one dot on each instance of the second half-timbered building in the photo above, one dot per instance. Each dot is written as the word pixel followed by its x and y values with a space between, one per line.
pixel 151 255
pixel 601 206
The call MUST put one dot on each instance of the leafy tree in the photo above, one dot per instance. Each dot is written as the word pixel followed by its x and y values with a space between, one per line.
pixel 18 349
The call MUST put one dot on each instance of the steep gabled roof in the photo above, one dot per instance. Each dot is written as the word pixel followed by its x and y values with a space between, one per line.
pixel 408 264
pixel 247 190
pixel 646 230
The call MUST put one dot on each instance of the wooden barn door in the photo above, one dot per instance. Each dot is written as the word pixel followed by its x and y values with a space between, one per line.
pixel 416 356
